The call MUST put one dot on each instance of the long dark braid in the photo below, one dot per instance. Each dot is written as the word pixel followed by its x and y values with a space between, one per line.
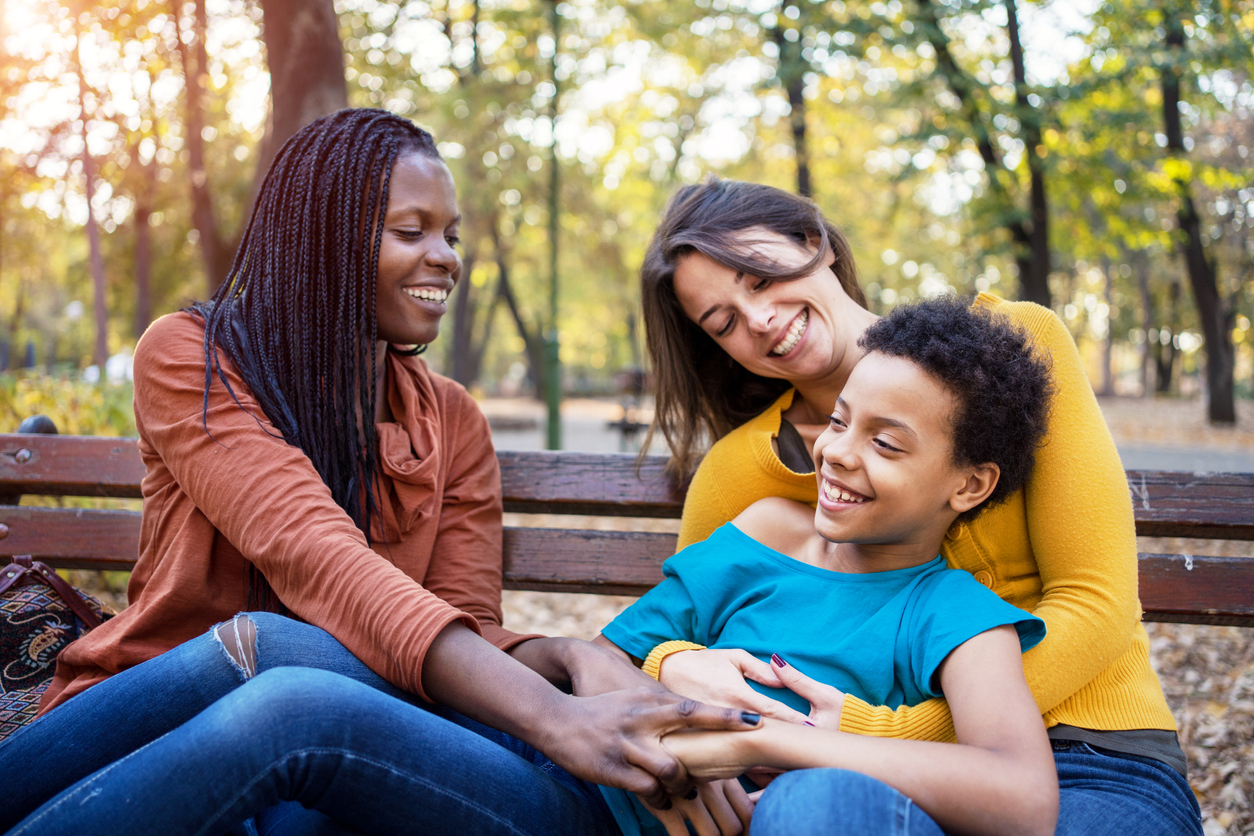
pixel 296 314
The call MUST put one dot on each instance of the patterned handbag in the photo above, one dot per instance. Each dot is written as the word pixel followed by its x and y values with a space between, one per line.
pixel 39 615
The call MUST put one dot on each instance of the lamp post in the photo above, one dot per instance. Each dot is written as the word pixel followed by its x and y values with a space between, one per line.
pixel 552 357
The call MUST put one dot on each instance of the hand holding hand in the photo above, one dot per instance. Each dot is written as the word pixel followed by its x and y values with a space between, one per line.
pixel 718 677
pixel 595 670
pixel 616 739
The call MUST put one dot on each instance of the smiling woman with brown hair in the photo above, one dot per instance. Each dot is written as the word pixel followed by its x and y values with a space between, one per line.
pixel 753 318
pixel 302 461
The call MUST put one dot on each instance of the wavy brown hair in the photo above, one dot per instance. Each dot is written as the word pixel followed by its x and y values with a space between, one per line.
pixel 701 392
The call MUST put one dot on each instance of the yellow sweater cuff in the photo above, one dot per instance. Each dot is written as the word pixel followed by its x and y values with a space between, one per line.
pixel 653 662
pixel 929 720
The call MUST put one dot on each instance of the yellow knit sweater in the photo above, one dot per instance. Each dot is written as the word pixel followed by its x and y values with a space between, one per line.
pixel 1063 547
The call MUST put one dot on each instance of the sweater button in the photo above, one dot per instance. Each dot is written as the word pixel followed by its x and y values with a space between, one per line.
pixel 956 531
pixel 985 578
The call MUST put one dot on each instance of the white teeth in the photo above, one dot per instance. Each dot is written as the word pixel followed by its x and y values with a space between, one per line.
pixel 430 294
pixel 836 494
pixel 794 333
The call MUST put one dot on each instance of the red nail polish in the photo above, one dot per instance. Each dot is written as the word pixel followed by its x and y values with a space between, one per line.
pixel 808 723
pixel 778 661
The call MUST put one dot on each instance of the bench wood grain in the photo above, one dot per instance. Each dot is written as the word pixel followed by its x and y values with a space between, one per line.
pixel 1192 588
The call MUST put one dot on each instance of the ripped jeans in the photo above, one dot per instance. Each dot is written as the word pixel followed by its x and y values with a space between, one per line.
pixel 288 733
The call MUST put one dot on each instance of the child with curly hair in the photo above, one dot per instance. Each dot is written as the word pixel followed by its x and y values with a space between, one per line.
pixel 940 420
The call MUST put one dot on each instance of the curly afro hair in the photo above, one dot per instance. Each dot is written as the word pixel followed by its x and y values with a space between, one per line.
pixel 1001 387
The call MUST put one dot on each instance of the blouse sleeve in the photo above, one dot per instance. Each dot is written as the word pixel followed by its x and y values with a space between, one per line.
pixel 466 561
pixel 1083 538
pixel 1082 531
pixel 267 499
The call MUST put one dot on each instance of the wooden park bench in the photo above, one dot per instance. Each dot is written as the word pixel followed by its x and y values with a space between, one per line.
pixel 1173 587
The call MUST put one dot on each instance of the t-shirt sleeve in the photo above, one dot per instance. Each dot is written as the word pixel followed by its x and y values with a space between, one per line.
pixel 946 610
pixel 681 607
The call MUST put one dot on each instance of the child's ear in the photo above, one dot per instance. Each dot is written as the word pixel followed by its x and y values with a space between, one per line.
pixel 980 482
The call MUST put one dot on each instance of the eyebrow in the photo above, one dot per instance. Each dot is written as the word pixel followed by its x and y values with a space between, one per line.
pixel 740 274
pixel 885 422
pixel 423 212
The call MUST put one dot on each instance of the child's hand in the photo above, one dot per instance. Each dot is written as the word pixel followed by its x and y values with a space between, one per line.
pixel 719 808
pixel 717 677
pixel 711 755
pixel 825 701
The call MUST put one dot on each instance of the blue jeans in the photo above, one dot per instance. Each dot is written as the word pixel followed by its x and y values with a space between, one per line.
pixel 837 802
pixel 189 743
pixel 1100 794
pixel 1103 792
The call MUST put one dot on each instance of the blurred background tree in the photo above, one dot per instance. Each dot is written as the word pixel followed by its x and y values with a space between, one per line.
pixel 1091 156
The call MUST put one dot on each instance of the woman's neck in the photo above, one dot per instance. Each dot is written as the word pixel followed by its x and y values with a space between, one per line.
pixel 382 409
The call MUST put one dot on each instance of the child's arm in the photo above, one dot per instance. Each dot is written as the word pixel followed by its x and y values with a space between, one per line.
pixel 999 778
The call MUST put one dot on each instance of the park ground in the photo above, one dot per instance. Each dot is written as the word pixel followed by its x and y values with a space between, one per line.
pixel 1207 672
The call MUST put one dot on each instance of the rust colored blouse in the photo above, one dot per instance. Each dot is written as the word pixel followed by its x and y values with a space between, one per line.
pixel 213 504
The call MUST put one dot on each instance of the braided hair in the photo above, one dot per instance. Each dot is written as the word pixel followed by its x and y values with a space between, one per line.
pixel 296 314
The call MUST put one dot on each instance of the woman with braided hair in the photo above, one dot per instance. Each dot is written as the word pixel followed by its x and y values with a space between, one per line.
pixel 314 640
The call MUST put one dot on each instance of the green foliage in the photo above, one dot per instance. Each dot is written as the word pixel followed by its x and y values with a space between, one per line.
pixel 899 98
pixel 74 405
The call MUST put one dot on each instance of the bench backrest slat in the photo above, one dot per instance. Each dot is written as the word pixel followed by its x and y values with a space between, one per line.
pixel 69 465
pixel 1167 503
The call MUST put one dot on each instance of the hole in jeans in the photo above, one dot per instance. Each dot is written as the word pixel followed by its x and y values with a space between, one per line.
pixel 238 638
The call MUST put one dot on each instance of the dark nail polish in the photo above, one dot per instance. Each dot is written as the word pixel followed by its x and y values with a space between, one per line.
pixel 778 661
pixel 808 723
pixel 751 718
pixel 691 794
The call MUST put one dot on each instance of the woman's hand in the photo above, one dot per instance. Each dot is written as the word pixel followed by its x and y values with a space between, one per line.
pixel 718 808
pixel 825 701
pixel 583 668
pixel 718 677
pixel 712 755
pixel 616 738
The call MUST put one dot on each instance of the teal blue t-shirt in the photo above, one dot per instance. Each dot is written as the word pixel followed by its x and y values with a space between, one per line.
pixel 880 636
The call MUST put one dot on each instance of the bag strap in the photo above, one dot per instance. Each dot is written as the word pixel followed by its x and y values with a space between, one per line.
pixel 15 571
pixel 24 565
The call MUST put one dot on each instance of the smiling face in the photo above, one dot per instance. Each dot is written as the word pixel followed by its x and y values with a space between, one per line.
pixel 885 466
pixel 418 265
pixel 790 330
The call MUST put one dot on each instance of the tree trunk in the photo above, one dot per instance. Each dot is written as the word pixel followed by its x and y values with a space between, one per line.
pixel 143 266
pixel 1147 322
pixel 214 253
pixel 1214 313
pixel 464 325
pixel 792 70
pixel 1165 355
pixel 963 88
pixel 100 352
pixel 15 325
pixel 532 342
pixel 1035 283
pixel 467 351
pixel 306 61
pixel 1108 378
